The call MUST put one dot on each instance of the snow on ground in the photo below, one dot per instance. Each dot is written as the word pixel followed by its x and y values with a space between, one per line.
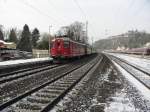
pixel 94 95
pixel 121 103
pixel 139 56
pixel 13 62
pixel 106 90
pixel 145 91
pixel 144 63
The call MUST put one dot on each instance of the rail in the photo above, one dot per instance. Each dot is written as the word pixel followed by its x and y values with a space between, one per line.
pixel 141 75
pixel 33 90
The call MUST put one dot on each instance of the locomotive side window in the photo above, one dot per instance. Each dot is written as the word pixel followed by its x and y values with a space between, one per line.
pixel 66 44
pixel 52 45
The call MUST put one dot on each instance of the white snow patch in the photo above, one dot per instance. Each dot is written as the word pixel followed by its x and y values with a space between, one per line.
pixel 120 104
pixel 145 91
pixel 11 62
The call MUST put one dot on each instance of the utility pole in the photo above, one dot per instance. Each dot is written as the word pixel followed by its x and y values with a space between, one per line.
pixel 86 31
pixel 92 41
pixel 49 38
pixel 92 44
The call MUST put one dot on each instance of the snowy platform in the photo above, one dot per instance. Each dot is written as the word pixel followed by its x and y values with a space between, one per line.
pixel 139 56
pixel 14 64
pixel 22 61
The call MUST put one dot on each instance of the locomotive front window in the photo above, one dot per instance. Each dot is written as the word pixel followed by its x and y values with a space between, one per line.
pixel 66 44
pixel 58 44
pixel 52 45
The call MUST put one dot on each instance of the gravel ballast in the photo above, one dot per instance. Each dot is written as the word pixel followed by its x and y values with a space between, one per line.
pixel 105 90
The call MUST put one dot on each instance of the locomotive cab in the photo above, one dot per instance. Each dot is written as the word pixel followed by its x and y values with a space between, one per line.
pixel 60 48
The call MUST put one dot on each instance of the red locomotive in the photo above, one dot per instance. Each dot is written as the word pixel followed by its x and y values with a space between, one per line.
pixel 65 48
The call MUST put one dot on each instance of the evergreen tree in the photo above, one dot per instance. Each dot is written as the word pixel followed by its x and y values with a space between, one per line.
pixel 1 34
pixel 13 36
pixel 25 41
pixel 35 37
pixel 44 41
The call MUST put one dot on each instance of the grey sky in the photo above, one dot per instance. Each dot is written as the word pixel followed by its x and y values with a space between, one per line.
pixel 105 17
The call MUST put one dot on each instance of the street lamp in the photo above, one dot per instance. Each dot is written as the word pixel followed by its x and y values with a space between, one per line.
pixel 49 38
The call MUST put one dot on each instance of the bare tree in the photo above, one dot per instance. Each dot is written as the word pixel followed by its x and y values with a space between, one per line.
pixel 74 31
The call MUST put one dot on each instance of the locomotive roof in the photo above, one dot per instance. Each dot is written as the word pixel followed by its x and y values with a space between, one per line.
pixel 68 39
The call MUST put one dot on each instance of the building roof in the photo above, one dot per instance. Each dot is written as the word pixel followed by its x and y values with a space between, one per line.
pixel 6 42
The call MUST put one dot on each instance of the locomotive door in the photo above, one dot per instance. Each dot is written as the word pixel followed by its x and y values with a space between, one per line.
pixel 71 49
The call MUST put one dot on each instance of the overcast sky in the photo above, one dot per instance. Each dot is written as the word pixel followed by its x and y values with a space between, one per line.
pixel 105 17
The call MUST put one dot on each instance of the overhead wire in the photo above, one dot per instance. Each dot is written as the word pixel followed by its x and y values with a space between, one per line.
pixel 50 17
pixel 129 8
pixel 81 10
pixel 137 11
pixel 83 14
pixel 63 18
pixel 142 7
pixel 39 11
pixel 119 11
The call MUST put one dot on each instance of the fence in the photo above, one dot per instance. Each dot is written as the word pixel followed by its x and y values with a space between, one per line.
pixel 40 53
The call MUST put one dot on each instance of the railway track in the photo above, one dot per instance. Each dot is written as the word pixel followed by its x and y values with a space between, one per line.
pixel 139 73
pixel 58 84
pixel 22 70
pixel 5 78
pixel 13 88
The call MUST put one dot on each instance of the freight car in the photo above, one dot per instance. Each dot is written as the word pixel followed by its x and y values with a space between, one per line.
pixel 138 51
pixel 65 48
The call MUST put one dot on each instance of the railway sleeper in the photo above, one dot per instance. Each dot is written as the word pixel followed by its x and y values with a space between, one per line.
pixel 53 91
pixel 68 82
pixel 72 79
pixel 40 100
pixel 61 85
pixel 45 95
pixel 28 106
pixel 65 83
pixel 56 87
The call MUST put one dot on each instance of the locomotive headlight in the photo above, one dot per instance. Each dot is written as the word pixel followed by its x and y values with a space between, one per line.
pixel 65 52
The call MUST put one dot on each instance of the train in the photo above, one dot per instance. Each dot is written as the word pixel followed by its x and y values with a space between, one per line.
pixel 66 48
pixel 61 48
pixel 136 51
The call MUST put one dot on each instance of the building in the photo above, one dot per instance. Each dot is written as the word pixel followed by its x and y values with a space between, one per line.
pixel 4 44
